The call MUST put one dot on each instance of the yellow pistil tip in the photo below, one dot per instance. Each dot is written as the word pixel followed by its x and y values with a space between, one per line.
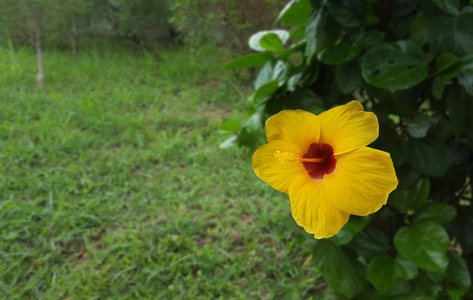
pixel 286 157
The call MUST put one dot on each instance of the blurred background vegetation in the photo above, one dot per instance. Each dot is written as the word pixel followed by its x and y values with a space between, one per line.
pixel 112 185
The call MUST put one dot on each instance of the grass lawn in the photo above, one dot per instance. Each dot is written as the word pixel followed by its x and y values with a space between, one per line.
pixel 112 185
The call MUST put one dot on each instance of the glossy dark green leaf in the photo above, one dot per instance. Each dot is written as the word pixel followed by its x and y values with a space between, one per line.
pixel 347 13
pixel 271 42
pixel 296 12
pixel 348 76
pixel 425 244
pixel 314 32
pixel 255 40
pixel 381 273
pixel 370 241
pixel 429 157
pixel 420 124
pixel 454 34
pixel 354 225
pixel 403 7
pixel 457 107
pixel 398 150
pixel 304 99
pixel 449 6
pixel 445 61
pixel 413 197
pixel 463 65
pixel 394 66
pixel 248 61
pixel 338 54
pixel 457 271
pixel 466 80
pixel 367 39
pixel 436 212
pixel 419 29
pixel 438 87
pixel 337 269
pixel 252 132
pixel 405 268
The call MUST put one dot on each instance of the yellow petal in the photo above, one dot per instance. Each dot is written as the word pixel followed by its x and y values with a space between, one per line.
pixel 298 127
pixel 361 181
pixel 313 210
pixel 348 127
pixel 277 171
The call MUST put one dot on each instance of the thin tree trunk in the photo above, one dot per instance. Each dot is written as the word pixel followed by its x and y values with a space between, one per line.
pixel 74 37
pixel 39 56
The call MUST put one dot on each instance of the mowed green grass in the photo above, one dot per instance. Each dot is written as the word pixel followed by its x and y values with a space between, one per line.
pixel 112 185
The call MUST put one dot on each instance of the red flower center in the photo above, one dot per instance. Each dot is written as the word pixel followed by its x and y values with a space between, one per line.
pixel 317 170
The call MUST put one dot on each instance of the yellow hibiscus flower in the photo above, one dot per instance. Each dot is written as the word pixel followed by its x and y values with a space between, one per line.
pixel 323 164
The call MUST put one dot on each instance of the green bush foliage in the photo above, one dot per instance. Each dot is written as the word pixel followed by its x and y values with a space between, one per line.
pixel 227 22
pixel 411 63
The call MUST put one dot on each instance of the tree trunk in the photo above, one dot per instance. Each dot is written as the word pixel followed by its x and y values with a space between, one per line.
pixel 39 56
pixel 74 37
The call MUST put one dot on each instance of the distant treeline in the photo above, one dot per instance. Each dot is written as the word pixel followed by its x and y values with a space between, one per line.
pixel 140 21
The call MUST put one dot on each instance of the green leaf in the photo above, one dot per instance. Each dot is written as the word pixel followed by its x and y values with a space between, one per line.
pixel 461 66
pixel 466 80
pixel 381 273
pixel 248 61
pixel 285 54
pixel 272 70
pixel 425 244
pixel 457 271
pixel 403 7
pixel 457 107
pixel 304 99
pixel 449 6
pixel 314 32
pixel 419 125
pixel 230 142
pixel 429 157
pixel 296 12
pixel 255 39
pixel 398 150
pixel 338 54
pixel 419 29
pixel 271 42
pixel 266 89
pixel 337 269
pixel 348 76
pixel 405 268
pixel 445 61
pixel 437 87
pixel 370 241
pixel 411 198
pixel 354 225
pixel 347 13
pixel 394 66
pixel 454 34
pixel 368 39
pixel 229 125
pixel 298 32
pixel 436 212
pixel 252 131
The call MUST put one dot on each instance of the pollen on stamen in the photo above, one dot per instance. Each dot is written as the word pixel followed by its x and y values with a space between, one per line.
pixel 286 158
